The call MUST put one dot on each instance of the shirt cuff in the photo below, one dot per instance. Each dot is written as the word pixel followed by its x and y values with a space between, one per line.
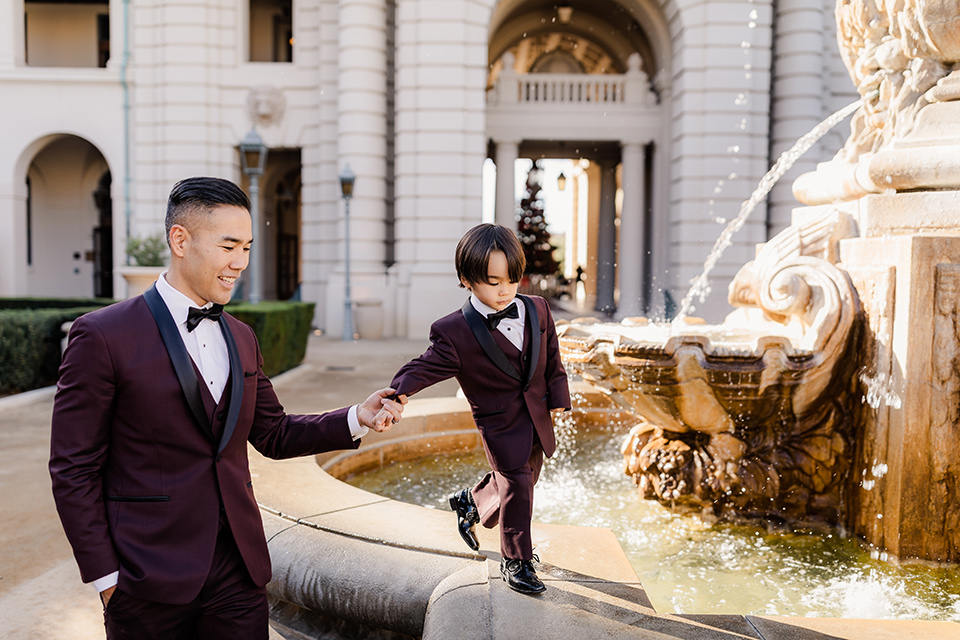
pixel 357 430
pixel 107 581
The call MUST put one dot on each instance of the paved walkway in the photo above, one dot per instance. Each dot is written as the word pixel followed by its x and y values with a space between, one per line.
pixel 41 595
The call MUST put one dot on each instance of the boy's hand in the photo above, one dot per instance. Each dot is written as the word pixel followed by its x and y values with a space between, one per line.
pixel 381 410
pixel 383 421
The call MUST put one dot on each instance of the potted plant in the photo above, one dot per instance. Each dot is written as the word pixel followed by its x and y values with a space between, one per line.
pixel 148 258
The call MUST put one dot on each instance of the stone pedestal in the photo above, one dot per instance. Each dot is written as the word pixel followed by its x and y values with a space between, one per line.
pixel 139 279
pixel 906 476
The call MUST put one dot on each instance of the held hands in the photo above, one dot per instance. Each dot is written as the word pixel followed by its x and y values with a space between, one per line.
pixel 379 412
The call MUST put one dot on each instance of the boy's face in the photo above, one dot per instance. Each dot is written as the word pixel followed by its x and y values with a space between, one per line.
pixel 497 292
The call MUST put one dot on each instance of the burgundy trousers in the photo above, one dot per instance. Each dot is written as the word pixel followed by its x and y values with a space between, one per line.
pixel 229 607
pixel 506 498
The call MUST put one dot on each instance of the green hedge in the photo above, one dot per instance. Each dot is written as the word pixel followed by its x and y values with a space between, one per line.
pixel 30 336
pixel 30 345
pixel 282 330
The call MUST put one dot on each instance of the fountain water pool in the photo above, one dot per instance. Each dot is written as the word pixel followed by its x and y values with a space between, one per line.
pixel 686 564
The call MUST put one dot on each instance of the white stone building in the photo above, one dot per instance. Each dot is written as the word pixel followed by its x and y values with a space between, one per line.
pixel 676 107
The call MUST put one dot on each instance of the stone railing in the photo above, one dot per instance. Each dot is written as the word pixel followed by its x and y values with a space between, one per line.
pixel 631 88
pixel 568 88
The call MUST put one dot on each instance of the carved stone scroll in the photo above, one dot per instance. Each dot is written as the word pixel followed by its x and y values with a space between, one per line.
pixel 745 419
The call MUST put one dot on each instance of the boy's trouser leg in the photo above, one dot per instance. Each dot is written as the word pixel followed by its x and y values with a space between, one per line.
pixel 506 498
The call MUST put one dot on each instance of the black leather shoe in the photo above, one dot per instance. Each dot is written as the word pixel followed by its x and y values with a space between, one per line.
pixel 521 576
pixel 467 516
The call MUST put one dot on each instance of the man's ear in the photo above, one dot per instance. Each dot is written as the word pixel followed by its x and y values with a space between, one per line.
pixel 465 284
pixel 179 236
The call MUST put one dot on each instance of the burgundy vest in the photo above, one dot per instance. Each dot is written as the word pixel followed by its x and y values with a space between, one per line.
pixel 216 410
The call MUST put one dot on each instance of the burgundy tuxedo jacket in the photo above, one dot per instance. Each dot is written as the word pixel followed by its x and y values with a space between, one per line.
pixel 143 460
pixel 510 396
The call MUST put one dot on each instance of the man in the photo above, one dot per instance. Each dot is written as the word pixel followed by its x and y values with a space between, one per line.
pixel 157 398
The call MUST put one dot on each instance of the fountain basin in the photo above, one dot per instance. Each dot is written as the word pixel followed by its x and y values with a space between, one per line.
pixel 348 563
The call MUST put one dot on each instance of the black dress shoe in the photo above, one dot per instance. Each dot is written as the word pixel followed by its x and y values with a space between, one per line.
pixel 521 576
pixel 467 516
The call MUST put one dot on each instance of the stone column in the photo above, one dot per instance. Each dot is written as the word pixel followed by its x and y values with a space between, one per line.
pixel 362 144
pixel 633 240
pixel 507 153
pixel 718 141
pixel 13 229
pixel 607 239
pixel 441 144
pixel 12 52
pixel 799 91
pixel 361 122
pixel 660 242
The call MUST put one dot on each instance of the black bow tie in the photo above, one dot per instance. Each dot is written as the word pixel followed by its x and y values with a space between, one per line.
pixel 494 318
pixel 194 315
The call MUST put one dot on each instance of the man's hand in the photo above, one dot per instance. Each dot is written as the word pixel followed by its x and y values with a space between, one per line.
pixel 379 412
pixel 106 594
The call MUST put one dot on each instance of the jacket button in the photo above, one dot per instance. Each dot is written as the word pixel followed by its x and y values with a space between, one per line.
pixel 222 416
pixel 526 388
pixel 526 357
pixel 219 457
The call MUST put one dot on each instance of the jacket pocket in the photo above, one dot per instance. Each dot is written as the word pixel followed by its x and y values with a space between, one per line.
pixel 111 498
pixel 489 414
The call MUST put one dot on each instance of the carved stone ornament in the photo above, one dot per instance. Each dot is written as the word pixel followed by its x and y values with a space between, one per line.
pixel 901 56
pixel 747 418
pixel 266 105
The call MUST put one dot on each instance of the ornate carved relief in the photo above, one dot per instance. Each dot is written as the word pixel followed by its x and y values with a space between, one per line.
pixel 741 422
pixel 266 105
pixel 895 52
pixel 901 55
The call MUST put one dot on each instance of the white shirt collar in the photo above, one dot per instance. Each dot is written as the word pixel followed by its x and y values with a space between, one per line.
pixel 485 311
pixel 177 302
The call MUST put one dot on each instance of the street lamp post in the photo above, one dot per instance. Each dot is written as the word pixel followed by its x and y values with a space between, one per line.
pixel 347 179
pixel 253 158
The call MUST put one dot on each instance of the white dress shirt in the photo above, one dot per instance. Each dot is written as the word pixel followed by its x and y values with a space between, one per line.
pixel 208 350
pixel 205 344
pixel 512 328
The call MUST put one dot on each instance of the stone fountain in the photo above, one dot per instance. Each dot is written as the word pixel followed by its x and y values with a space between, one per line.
pixel 830 395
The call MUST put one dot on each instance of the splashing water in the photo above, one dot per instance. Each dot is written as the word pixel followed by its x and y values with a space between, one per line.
pixel 699 286
pixel 686 564
pixel 880 391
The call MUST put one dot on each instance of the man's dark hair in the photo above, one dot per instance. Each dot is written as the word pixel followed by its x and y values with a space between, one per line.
pixel 475 247
pixel 200 195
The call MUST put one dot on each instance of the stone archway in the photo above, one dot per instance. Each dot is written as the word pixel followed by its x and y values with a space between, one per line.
pixel 66 204
pixel 557 86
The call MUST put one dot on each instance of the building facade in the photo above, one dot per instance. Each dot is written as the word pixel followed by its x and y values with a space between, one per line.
pixel 671 111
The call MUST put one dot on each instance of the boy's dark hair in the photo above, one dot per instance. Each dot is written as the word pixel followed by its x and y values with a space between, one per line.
pixel 475 247
pixel 200 195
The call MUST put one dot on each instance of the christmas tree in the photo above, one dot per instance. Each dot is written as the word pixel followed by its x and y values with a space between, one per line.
pixel 532 227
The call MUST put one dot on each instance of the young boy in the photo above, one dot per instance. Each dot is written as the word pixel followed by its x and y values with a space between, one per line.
pixel 503 350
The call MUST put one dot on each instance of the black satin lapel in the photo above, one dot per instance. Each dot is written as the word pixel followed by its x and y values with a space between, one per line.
pixel 534 319
pixel 479 329
pixel 179 357
pixel 236 385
